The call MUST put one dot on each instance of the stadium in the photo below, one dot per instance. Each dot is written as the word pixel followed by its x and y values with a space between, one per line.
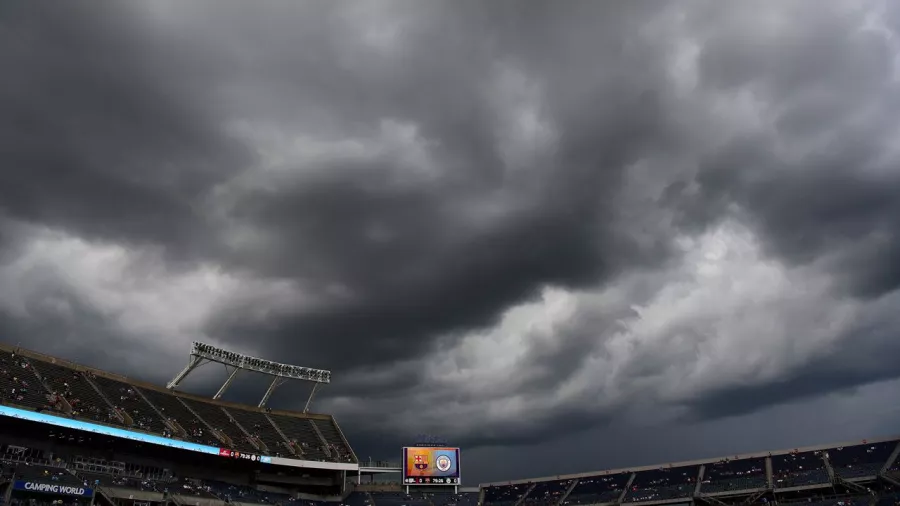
pixel 76 435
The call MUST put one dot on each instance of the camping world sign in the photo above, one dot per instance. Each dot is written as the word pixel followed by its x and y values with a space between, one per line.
pixel 53 488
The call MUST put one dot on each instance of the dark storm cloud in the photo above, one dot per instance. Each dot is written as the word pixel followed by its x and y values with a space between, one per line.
pixel 99 135
pixel 377 190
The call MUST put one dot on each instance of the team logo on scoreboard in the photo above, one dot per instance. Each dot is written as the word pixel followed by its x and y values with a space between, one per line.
pixel 443 463
pixel 421 462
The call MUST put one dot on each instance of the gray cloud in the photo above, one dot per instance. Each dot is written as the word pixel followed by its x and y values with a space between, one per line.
pixel 501 223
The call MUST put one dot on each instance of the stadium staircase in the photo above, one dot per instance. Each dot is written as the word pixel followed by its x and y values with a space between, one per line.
pixel 296 450
pixel 325 446
pixel 255 441
pixel 700 474
pixel 527 491
pixel 257 427
pixel 562 499
pixel 170 424
pixel 625 490
pixel 891 459
pixel 343 439
pixel 123 415
pixel 227 441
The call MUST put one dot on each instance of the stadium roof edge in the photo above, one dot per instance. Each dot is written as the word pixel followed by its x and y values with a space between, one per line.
pixel 35 355
pixel 686 463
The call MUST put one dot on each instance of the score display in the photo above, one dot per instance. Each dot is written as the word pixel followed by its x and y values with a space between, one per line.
pixel 430 466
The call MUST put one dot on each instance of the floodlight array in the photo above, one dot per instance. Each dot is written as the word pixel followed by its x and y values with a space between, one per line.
pixel 264 366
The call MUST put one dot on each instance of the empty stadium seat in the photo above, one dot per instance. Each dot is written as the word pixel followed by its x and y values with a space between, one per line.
pixel 127 398
pixel 734 475
pixel 259 426
pixel 339 449
pixel 799 470
pixel 172 408
pixel 300 430
pixel 598 489
pixel 505 495
pixel 219 420
pixel 19 385
pixel 85 400
pixel 399 499
pixel 663 484
pixel 547 493
pixel 860 460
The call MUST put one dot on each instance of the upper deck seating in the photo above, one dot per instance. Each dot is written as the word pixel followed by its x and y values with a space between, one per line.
pixel 663 484
pixel 19 385
pixel 259 427
pixel 799 470
pixel 860 460
pixel 399 499
pixel 300 430
pixel 126 398
pixel 339 449
pixel 86 402
pixel 219 420
pixel 547 493
pixel 600 489
pixel 505 495
pixel 450 499
pixel 172 408
pixel 734 475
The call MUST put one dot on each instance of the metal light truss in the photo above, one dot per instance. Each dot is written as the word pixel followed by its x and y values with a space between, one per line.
pixel 202 353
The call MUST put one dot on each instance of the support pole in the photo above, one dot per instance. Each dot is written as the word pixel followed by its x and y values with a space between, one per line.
pixel 193 364
pixel 309 400
pixel 272 386
pixel 226 384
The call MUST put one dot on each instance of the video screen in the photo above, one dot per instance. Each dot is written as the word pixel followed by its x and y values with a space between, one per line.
pixel 430 466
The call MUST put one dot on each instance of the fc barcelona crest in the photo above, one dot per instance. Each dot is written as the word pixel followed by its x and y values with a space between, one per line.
pixel 421 462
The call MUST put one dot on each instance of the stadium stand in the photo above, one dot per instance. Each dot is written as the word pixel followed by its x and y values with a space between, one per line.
pixel 337 446
pixel 451 499
pixel 734 475
pixel 663 484
pixel 799 469
pixel 19 385
pixel 126 398
pixel 547 493
pixel 169 405
pixel 857 461
pixel 262 430
pixel 302 432
pixel 221 421
pixel 399 499
pixel 606 488
pixel 75 387
pixel 505 495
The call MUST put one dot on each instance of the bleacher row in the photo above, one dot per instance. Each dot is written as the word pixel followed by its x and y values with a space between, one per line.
pixel 727 477
pixel 64 391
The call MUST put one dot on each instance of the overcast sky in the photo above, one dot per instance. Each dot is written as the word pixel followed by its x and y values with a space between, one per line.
pixel 565 235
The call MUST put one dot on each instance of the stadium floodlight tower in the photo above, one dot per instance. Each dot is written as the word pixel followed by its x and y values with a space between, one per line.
pixel 202 353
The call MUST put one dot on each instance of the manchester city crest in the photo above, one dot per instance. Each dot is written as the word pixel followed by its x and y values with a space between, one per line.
pixel 443 463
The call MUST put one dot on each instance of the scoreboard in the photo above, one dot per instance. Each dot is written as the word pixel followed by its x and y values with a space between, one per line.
pixel 431 466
